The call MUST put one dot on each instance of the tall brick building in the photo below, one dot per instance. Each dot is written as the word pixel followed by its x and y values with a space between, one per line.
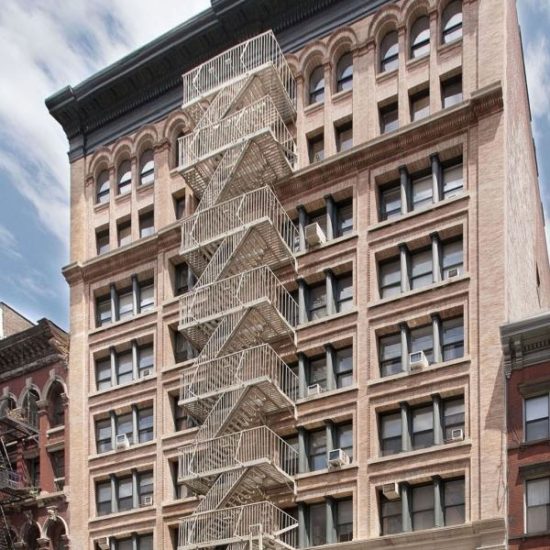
pixel 288 275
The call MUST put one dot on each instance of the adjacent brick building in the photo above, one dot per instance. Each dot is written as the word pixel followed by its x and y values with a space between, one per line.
pixel 33 415
pixel 360 214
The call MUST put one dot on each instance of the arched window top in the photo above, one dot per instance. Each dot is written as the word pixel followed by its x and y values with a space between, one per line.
pixel 8 404
pixel 420 37
pixel 147 168
pixel 30 407
pixel 317 85
pixel 102 187
pixel 56 407
pixel 451 22
pixel 389 52
pixel 124 177
pixel 344 72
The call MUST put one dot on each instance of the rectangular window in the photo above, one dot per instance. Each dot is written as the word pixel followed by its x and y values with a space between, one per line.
pixel 125 304
pixel 183 349
pixel 125 426
pixel 420 105
pixel 391 516
pixel 344 520
pixel 390 355
pixel 422 339
pixel 421 269
pixel 537 502
pixel 390 202
pixel 317 450
pixel 102 242
pixel 451 91
pixel 319 217
pixel 344 137
pixel 146 224
pixel 317 301
pixel 390 434
pixel 103 373
pixel 103 436
pixel 103 311
pixel 145 359
pixel 422 191
pixel 389 118
pixel 344 219
pixel 179 207
pixel 537 422
pixel 146 296
pixel 103 498
pixel 291 459
pixel 344 438
pixel 422 507
pixel 145 487
pixel 125 498
pixel 124 367
pixel 57 459
pixel 344 294
pixel 145 542
pixel 181 279
pixel 453 501
pixel 145 424
pixel 124 544
pixel 390 278
pixel 316 148
pixel 453 416
pixel 317 524
pixel 317 368
pixel 124 230
pixel 422 420
pixel 452 338
pixel 343 367
pixel 453 180
pixel 452 258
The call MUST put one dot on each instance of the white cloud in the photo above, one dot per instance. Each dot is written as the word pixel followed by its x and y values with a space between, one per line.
pixel 8 243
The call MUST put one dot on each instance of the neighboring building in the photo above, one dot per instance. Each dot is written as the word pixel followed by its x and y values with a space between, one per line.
pixel 205 326
pixel 526 346
pixel 33 414
pixel 11 321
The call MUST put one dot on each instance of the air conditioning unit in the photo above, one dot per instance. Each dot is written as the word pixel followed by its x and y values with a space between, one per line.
pixel 314 234
pixel 337 458
pixel 122 442
pixel 457 435
pixel 103 543
pixel 453 272
pixel 314 389
pixel 146 372
pixel 391 491
pixel 147 501
pixel 417 360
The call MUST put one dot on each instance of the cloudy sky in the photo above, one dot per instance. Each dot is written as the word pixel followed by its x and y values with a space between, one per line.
pixel 47 44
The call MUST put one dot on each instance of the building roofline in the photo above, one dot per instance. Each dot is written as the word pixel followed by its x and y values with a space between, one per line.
pixel 18 313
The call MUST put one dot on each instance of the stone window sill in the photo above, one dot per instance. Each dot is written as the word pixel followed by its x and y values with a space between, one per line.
pixel 420 452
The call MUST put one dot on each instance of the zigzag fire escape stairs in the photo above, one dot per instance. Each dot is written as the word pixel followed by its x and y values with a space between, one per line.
pixel 241 102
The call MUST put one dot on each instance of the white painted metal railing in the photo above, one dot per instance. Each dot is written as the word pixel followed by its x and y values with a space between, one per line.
pixel 243 290
pixel 238 368
pixel 221 413
pixel 238 523
pixel 258 117
pixel 236 63
pixel 237 450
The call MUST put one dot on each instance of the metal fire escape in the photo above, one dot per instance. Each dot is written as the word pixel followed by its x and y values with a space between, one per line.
pixel 238 312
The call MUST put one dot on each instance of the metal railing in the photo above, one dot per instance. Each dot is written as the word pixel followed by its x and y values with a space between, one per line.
pixel 239 368
pixel 238 523
pixel 235 63
pixel 259 116
pixel 211 223
pixel 222 414
pixel 242 290
pixel 237 449
pixel 11 480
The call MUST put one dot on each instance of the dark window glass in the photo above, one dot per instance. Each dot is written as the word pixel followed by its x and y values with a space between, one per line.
pixel 146 224
pixel 390 355
pixel 453 416
pixel 422 508
pixel 344 73
pixel 420 37
pixel 344 137
pixel 145 424
pixel 451 22
pixel 537 418
pixel 145 542
pixel 422 420
pixel 125 497
pixel 102 241
pixel 124 230
pixel 103 496
pixel 390 278
pixel 453 338
pixel 183 349
pixel 125 304
pixel 317 450
pixel 452 257
pixel 179 207
pixel 146 296
pixel 344 214
pixel 344 520
pixel 344 438
pixel 147 168
pixel 124 544
pixel 422 191
pixel 124 367
pixel 343 367
pixel 389 118
pixel 103 311
pixel 317 85
pixel 391 515
pixel 390 433
pixel 422 340
pixel 537 501
pixel 125 426
pixel 145 359
pixel 316 148
pixel 390 202
pixel 453 501
pixel 317 524
pixel 451 91
pixel 317 301
pixel 124 177
pixel 291 459
pixel 103 436
pixel 103 187
pixel 145 487
pixel 389 52
pixel 421 269
pixel 420 105
pixel 344 294
pixel 453 180
pixel 181 279
pixel 318 371
pixel 103 373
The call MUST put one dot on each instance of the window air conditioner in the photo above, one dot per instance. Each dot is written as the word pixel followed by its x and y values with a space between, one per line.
pixel 103 543
pixel 147 501
pixel 457 434
pixel 391 491
pixel 146 372
pixel 337 458
pixel 453 272
pixel 417 361
pixel 315 235
pixel 122 442
pixel 314 389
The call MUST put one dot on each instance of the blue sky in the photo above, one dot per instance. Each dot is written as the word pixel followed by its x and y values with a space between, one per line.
pixel 47 44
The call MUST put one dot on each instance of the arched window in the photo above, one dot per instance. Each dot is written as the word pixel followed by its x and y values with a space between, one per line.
pixel 420 37
pixel 8 404
pixel 344 73
pixel 103 187
pixel 31 534
pixel 30 407
pixel 317 85
pixel 55 531
pixel 451 22
pixel 124 177
pixel 177 148
pixel 389 52
pixel 56 407
pixel 147 168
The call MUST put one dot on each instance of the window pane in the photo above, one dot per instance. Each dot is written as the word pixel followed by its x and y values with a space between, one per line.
pixel 344 438
pixel 453 502
pixel 125 305
pixel 103 492
pixel 145 542
pixel 392 519
pixel 103 436
pixel 145 424
pixel 181 279
pixel 146 224
pixel 421 269
pixel 420 37
pixel 316 146
pixel 420 106
pixel 317 450
pixel 422 427
pixel 147 173
pixel 390 278
pixel 390 426
pixel 452 22
pixel 344 72
pixel 422 191
pixel 344 137
pixel 103 308
pixel 125 426
pixel 389 119
pixel 124 234
pixel 317 524
pixel 344 520
pixel 125 372
pixel 317 85
pixel 343 367
pixel 452 180
pixel 536 418
pixel 124 544
pixel 344 294
pixel 390 355
pixel 453 257
pixel 103 187
pixel 146 359
pixel 146 297
pixel 124 177
pixel 452 92
pixel 317 301
pixel 453 338
pixel 318 371
pixel 389 52
pixel 453 416
pixel 102 239
pixel 125 499
pixel 391 203
pixel 422 340
pixel 103 373
pixel 423 507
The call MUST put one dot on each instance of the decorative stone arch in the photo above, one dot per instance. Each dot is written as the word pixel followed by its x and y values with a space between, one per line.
pixel 28 387
pixel 387 19
pixel 53 379
pixel 413 9
pixel 31 534
pixel 177 123
pixel 146 138
pixel 124 150
pixel 313 55
pixel 55 404
pixel 55 529
pixel 341 42
pixel 293 63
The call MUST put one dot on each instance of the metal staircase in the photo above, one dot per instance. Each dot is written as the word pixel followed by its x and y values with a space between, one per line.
pixel 241 102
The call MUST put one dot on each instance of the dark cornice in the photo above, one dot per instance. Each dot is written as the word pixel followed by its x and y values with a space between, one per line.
pixel 146 85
